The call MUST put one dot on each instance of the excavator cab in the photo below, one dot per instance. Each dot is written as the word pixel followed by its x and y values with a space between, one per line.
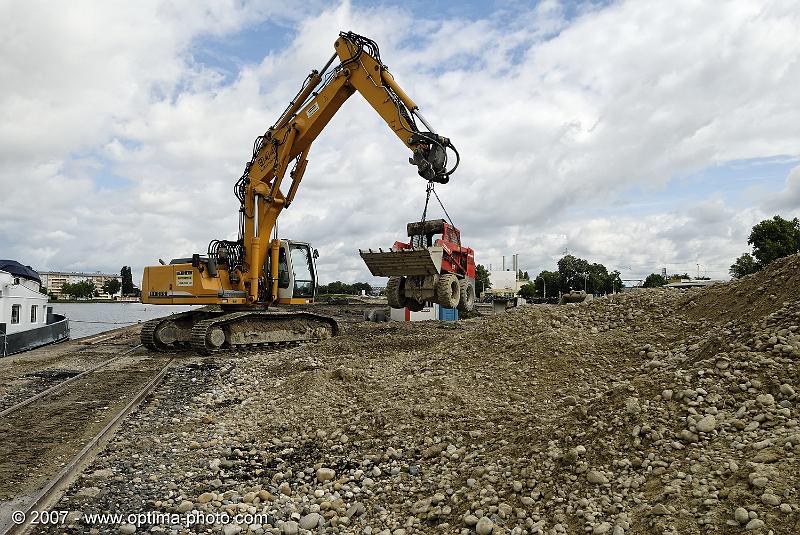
pixel 297 272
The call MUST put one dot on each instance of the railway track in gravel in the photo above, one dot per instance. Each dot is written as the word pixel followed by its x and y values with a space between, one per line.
pixel 63 384
pixel 50 437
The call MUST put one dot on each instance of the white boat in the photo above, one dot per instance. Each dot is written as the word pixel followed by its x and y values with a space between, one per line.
pixel 26 320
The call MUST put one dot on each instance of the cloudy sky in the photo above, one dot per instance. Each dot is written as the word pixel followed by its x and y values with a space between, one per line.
pixel 637 134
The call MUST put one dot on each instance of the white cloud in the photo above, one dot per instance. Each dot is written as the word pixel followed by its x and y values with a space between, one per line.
pixel 553 118
pixel 789 198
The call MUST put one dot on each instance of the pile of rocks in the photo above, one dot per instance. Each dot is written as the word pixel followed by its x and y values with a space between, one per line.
pixel 646 412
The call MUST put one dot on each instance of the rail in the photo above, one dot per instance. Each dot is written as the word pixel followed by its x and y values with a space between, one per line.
pixel 62 384
pixel 52 490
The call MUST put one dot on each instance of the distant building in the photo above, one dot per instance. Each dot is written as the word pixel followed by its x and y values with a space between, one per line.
pixel 504 283
pixel 55 280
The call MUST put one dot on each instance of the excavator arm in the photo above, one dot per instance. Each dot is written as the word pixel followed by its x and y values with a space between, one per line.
pixel 288 142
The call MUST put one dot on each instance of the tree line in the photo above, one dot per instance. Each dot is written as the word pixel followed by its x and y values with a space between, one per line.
pixel 339 287
pixel 86 289
pixel 572 273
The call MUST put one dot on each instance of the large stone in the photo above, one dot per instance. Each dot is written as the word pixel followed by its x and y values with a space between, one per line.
pixel 707 424
pixel 741 515
pixel 185 506
pixel 127 529
pixel 290 528
pixel 325 474
pixel 310 521
pixel 660 509
pixel 596 477
pixel 602 528
pixel 484 526
pixel 754 524
pixel 766 400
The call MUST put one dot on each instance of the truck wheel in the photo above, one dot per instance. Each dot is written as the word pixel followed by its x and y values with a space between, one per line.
pixel 414 305
pixel 466 301
pixel 448 291
pixel 395 292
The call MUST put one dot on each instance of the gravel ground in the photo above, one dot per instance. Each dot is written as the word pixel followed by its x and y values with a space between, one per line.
pixel 650 412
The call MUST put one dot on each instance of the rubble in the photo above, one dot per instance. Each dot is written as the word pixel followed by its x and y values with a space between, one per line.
pixel 658 411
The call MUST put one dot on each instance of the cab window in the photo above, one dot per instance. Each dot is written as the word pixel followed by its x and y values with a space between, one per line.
pixel 303 271
pixel 283 269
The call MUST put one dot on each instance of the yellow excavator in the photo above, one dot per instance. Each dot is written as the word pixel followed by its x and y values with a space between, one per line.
pixel 245 277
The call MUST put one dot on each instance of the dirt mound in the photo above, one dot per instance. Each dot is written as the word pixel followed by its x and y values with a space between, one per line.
pixel 752 297
pixel 638 413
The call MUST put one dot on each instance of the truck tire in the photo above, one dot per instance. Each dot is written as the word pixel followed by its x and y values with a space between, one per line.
pixel 466 300
pixel 414 306
pixel 395 292
pixel 448 291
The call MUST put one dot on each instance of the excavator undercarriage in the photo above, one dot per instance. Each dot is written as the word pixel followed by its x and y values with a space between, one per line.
pixel 212 329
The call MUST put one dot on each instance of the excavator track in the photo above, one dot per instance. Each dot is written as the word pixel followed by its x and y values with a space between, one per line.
pixel 260 329
pixel 148 335
pixel 210 331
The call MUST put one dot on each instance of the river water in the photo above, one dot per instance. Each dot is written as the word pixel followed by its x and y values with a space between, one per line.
pixel 86 319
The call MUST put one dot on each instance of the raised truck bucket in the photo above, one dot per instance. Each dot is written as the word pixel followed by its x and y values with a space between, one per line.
pixel 403 262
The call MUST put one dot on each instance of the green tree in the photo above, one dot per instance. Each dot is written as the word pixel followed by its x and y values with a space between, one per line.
pixel 80 290
pixel 356 288
pixel 744 265
pixel 339 287
pixel 127 280
pixel 654 280
pixel 571 270
pixel 774 238
pixel 547 283
pixel 112 286
pixel 614 282
pixel 527 290
pixel 482 282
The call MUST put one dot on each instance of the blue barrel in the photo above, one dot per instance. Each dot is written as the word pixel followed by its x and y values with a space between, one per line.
pixel 448 314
